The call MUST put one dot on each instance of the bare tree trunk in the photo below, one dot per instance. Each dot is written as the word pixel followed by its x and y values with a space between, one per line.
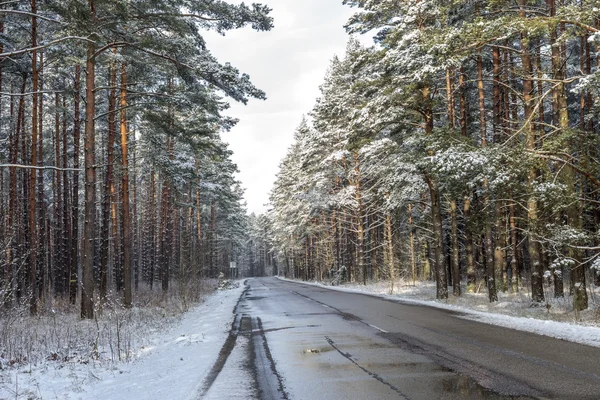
pixel 412 244
pixel 33 232
pixel 441 277
pixel 89 227
pixel 390 247
pixel 199 256
pixel 153 236
pixel 41 204
pixel 213 240
pixel 13 204
pixel 500 266
pixel 436 216
pixel 455 259
pixel 456 290
pixel 164 233
pixel 497 96
pixel 450 96
pixel 514 265
pixel 360 227
pixel 125 217
pixel 537 272
pixel 61 275
pixel 108 182
pixel 136 242
pixel 488 245
pixel 73 273
pixel 462 102
pixel 470 259
pixel 67 234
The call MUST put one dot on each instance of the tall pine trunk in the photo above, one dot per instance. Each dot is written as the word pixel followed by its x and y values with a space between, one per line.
pixel 73 268
pixel 125 217
pixel 33 232
pixel 89 227
pixel 488 245
pixel 108 183
pixel 537 269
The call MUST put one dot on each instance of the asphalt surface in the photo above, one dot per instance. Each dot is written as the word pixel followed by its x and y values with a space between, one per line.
pixel 309 342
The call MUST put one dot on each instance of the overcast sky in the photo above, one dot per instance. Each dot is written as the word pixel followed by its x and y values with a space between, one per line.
pixel 289 64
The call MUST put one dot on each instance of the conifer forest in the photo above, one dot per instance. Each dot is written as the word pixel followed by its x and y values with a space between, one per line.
pixel 112 171
pixel 460 147
pixel 429 225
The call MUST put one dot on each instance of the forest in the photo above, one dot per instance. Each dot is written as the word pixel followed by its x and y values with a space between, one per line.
pixel 461 146
pixel 113 175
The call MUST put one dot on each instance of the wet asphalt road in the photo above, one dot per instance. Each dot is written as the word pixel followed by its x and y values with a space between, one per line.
pixel 308 342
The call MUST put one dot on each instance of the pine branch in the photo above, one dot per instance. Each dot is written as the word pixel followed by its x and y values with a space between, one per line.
pixel 18 12
pixel 39 168
pixel 32 49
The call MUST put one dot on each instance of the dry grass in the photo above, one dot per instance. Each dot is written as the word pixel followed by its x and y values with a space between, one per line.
pixel 58 333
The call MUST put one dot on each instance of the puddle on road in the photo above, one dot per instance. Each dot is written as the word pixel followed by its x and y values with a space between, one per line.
pixel 405 374
pixel 317 350
pixel 463 387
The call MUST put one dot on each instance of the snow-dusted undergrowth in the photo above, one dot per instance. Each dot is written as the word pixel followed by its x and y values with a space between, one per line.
pixel 515 304
pixel 59 339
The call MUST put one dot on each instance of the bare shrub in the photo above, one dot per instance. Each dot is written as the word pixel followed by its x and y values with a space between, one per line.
pixel 116 333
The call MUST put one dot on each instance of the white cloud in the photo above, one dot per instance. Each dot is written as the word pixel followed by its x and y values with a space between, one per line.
pixel 289 64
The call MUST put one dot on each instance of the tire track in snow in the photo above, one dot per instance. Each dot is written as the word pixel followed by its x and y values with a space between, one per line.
pixel 225 351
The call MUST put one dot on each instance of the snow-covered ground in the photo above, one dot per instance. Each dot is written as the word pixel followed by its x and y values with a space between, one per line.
pixel 513 310
pixel 171 363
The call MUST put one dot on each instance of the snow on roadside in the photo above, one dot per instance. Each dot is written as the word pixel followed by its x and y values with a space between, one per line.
pixel 570 331
pixel 171 365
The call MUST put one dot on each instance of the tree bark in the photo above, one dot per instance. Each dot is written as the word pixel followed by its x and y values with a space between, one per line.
pixel 108 182
pixel 125 216
pixel 390 248
pixel 470 260
pixel 455 251
pixel 412 244
pixel 488 241
pixel 360 221
pixel 89 227
pixel 441 278
pixel 73 270
pixel 33 232
pixel 514 265
pixel 537 290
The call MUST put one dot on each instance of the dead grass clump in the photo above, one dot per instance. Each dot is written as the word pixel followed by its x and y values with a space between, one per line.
pixel 58 334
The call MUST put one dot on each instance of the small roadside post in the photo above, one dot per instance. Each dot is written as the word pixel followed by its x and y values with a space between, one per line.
pixel 233 271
